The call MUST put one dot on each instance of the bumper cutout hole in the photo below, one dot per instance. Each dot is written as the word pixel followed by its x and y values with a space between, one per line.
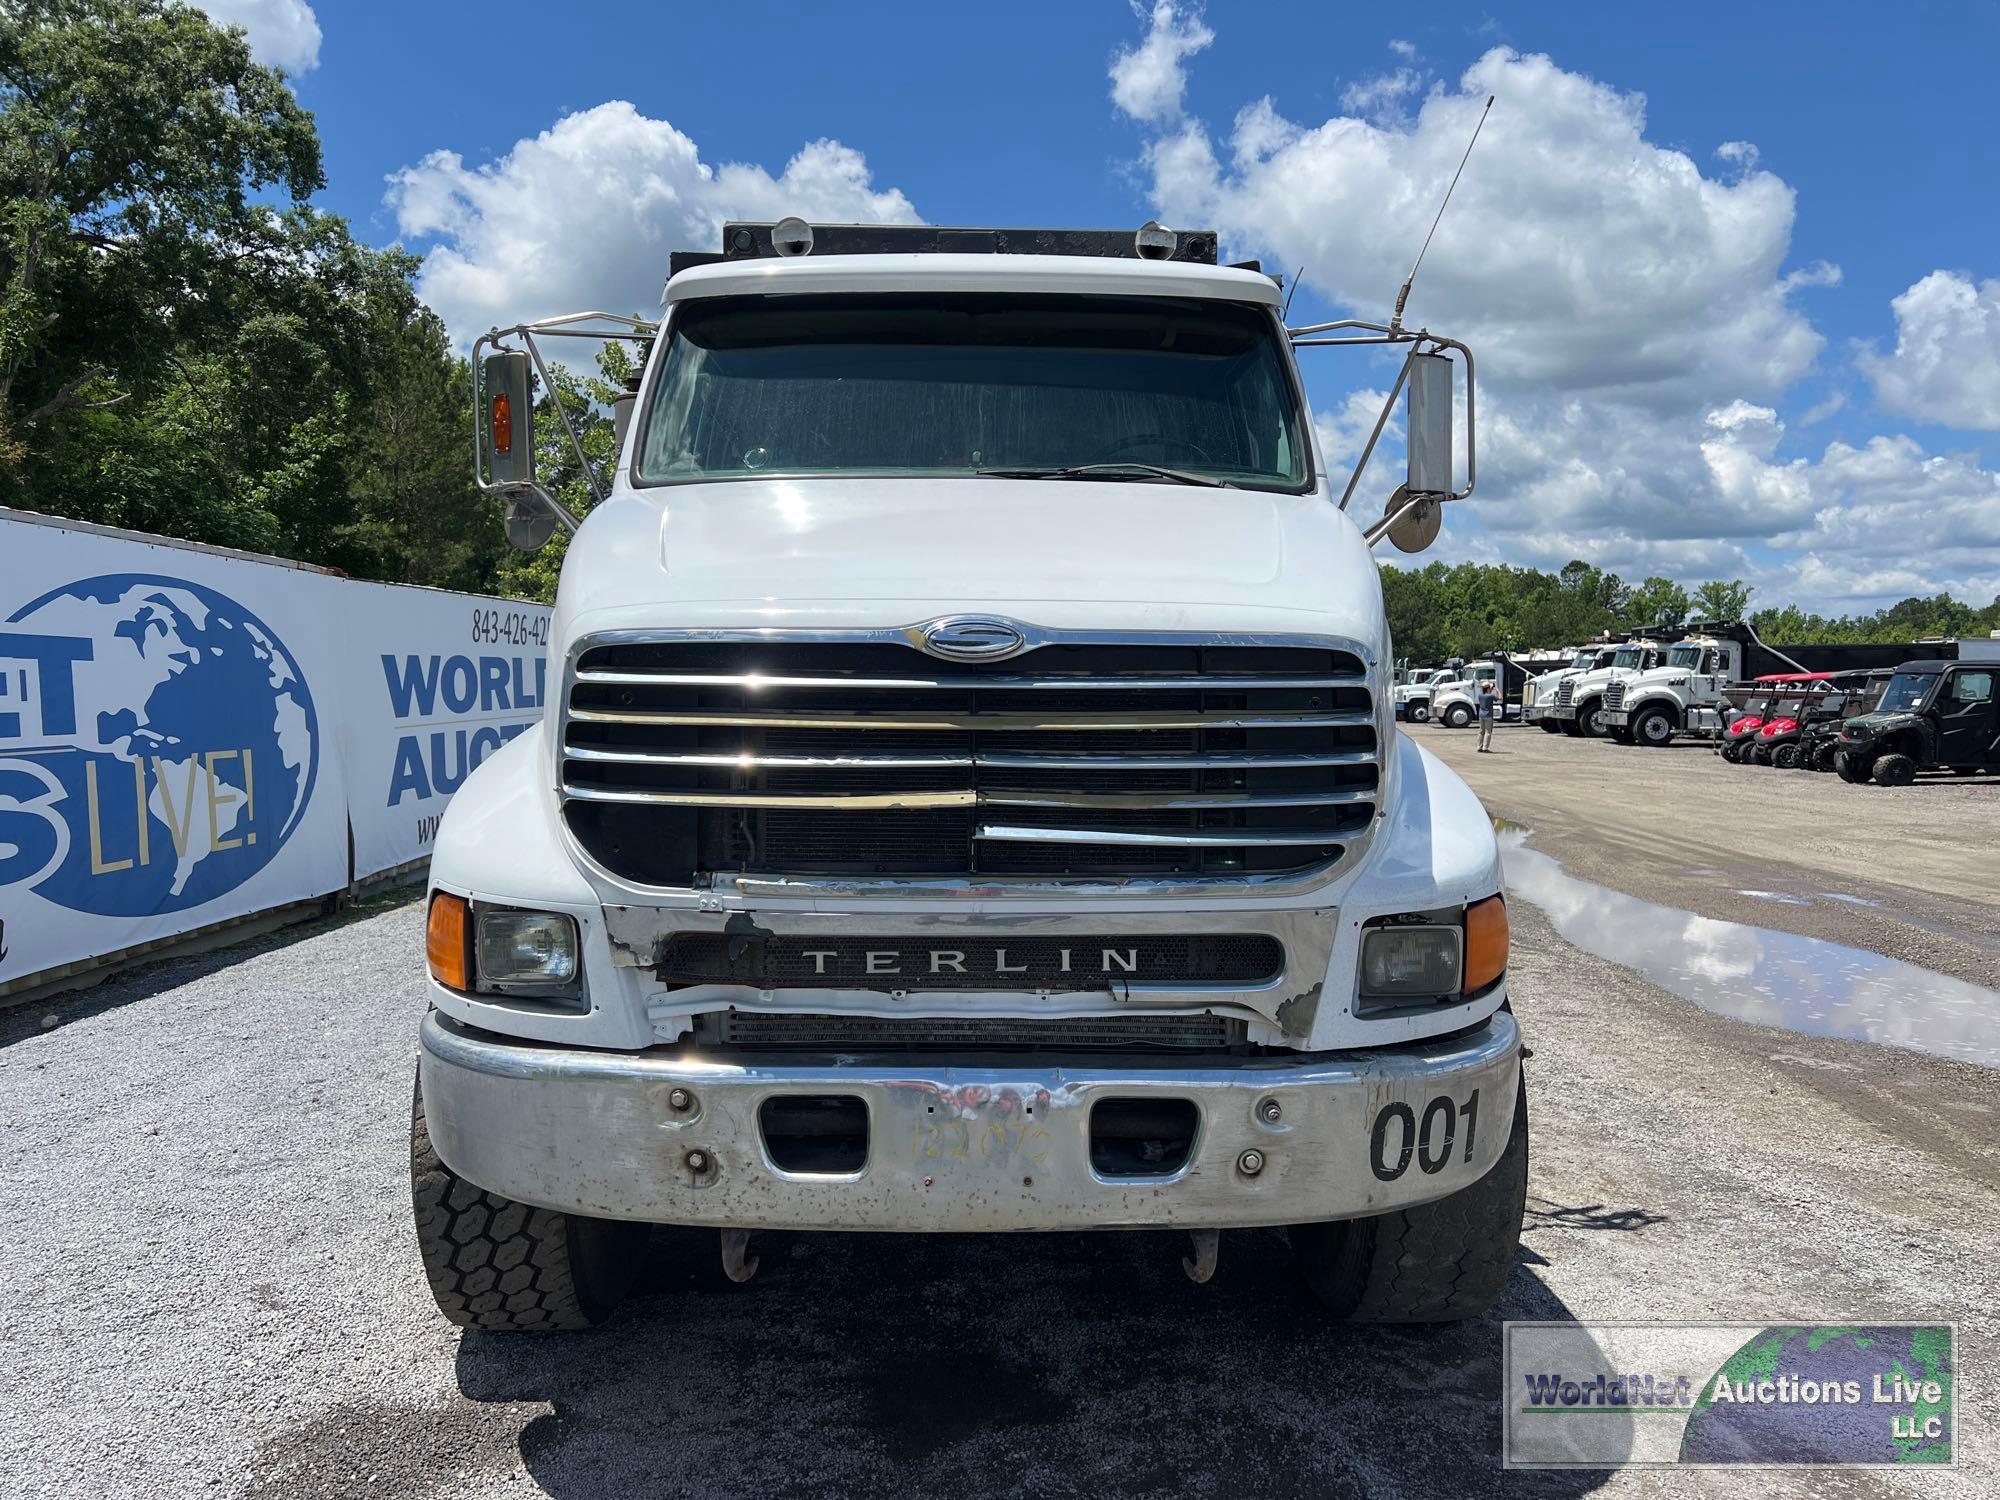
pixel 1142 1137
pixel 826 1133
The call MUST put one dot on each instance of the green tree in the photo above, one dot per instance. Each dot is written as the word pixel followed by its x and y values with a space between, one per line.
pixel 1716 600
pixel 188 346
pixel 1657 601
pixel 135 138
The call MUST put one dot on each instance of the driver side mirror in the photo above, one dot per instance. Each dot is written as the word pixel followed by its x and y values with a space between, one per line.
pixel 507 420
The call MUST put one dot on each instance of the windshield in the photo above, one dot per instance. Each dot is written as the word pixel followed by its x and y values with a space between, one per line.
pixel 1686 657
pixel 1627 656
pixel 1906 692
pixel 1756 703
pixel 1583 661
pixel 957 383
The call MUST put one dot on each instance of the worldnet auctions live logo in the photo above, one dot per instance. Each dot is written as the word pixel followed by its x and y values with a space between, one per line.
pixel 158 745
pixel 1589 1395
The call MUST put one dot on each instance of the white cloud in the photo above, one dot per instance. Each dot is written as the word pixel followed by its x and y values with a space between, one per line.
pixel 1638 329
pixel 1595 259
pixel 1344 431
pixel 1382 94
pixel 1403 49
pixel 1149 81
pixel 283 33
pixel 1946 365
pixel 585 214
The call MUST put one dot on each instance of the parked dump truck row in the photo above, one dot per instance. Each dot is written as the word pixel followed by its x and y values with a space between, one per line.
pixel 882 866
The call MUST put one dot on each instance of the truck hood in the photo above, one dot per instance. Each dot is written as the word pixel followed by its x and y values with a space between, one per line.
pixel 877 552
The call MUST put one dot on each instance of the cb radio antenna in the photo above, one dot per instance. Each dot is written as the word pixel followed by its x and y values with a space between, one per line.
pixel 1402 297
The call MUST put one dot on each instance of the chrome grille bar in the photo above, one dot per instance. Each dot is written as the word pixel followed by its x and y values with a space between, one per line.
pixel 1001 722
pixel 1217 838
pixel 881 801
pixel 1138 682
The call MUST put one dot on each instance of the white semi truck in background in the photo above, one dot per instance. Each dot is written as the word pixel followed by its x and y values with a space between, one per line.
pixel 972 799
pixel 1578 705
pixel 1539 692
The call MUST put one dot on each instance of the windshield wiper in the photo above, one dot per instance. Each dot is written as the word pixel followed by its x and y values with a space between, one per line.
pixel 1120 469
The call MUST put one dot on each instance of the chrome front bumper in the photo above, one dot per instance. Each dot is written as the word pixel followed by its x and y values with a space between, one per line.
pixel 1615 717
pixel 992 1143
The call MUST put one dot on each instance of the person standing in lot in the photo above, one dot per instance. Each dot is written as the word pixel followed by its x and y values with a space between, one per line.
pixel 1488 701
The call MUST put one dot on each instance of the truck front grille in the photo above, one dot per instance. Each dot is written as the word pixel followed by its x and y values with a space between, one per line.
pixel 1614 696
pixel 1565 692
pixel 685 759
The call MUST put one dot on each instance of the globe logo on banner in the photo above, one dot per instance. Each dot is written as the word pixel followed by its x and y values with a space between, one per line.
pixel 158 745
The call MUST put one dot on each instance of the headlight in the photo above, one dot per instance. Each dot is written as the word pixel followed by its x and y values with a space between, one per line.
pixel 526 948
pixel 1410 962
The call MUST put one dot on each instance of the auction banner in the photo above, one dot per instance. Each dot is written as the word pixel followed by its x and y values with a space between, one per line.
pixel 435 683
pixel 188 734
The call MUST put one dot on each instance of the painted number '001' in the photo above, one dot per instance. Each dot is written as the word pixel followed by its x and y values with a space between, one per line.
pixel 1398 1130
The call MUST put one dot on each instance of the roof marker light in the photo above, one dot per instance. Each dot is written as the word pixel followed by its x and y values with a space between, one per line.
pixel 792 236
pixel 1155 241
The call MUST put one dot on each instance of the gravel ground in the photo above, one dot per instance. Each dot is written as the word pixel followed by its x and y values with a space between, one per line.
pixel 215 1287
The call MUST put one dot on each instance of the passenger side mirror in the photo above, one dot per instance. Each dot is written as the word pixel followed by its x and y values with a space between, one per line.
pixel 1430 426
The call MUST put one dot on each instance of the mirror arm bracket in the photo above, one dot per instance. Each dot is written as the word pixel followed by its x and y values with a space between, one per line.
pixel 574 325
pixel 1310 337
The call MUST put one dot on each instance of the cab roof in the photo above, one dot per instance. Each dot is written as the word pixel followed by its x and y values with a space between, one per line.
pixel 1056 274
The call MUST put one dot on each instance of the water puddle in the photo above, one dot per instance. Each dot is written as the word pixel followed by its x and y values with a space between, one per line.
pixel 1769 978
pixel 1778 896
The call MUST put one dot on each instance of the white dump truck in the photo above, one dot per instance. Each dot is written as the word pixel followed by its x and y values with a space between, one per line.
pixel 1539 692
pixel 971 800
pixel 1681 695
pixel 1578 705
pixel 1413 699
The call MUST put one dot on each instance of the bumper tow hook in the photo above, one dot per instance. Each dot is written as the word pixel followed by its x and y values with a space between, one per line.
pixel 738 1264
pixel 1207 1242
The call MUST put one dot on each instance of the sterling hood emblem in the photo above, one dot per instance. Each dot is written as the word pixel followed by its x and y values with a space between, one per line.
pixel 962 638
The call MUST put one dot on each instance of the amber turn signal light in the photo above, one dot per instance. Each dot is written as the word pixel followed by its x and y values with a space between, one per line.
pixel 1485 943
pixel 503 424
pixel 448 940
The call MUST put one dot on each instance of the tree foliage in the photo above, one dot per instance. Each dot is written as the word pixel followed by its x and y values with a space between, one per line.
pixel 187 346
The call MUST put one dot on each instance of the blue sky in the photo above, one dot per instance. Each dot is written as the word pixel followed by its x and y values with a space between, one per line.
pixel 1729 269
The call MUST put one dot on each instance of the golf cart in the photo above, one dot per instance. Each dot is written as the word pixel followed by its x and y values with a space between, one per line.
pixel 1934 715
pixel 1796 705
pixel 1749 702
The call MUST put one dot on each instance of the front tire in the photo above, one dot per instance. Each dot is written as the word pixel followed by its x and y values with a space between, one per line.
pixel 1894 770
pixel 1654 727
pixel 1590 721
pixel 1419 713
pixel 1457 716
pixel 1550 726
pixel 497 1264
pixel 1786 757
pixel 1851 768
pixel 1435 1263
